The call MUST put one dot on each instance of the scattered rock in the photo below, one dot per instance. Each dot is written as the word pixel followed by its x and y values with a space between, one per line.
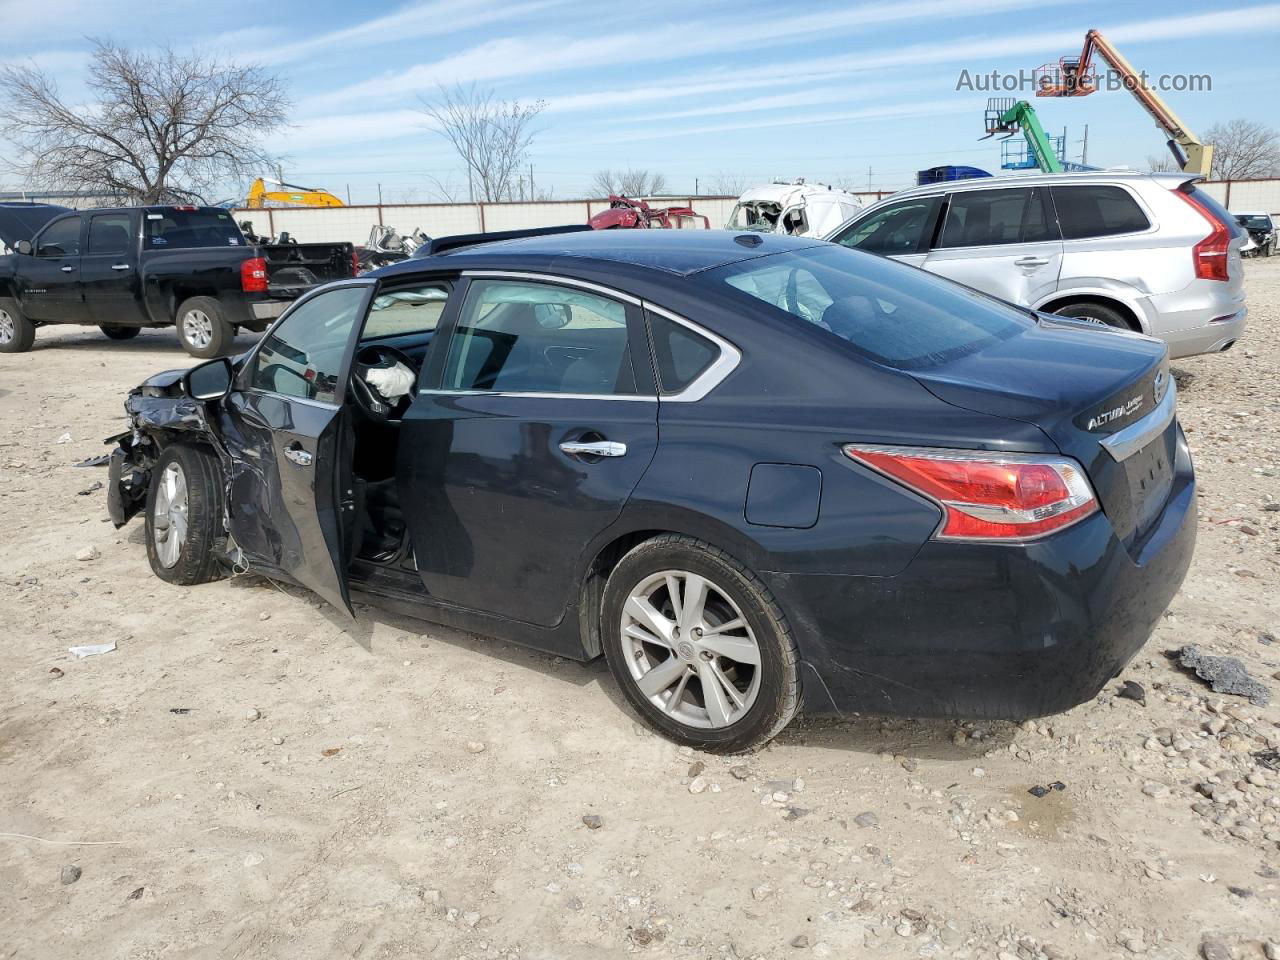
pixel 330 751
pixel 795 813
pixel 697 784
pixel 593 821
pixel 253 713
pixel 88 553
pixel 56 673
pixel 277 740
pixel 475 746
pixel 91 489
pixel 978 772
pixel 800 942
pixel 1132 690
pixel 1156 790
pixel 70 874
pixel 696 768
pixel 1214 949
pixel 739 771
pixel 1038 791
pixel 1272 950
pixel 1223 674
pixel 762 892
pixel 136 894
pixel 867 819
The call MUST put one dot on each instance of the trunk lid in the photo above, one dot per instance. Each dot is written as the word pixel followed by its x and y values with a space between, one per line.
pixel 294 268
pixel 1102 396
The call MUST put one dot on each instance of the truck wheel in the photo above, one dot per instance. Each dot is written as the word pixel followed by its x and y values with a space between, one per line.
pixel 184 514
pixel 202 329
pixel 120 333
pixel 16 332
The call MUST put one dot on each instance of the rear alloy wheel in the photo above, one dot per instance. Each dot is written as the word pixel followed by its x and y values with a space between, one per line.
pixel 120 333
pixel 1095 313
pixel 202 330
pixel 699 646
pixel 184 512
pixel 17 333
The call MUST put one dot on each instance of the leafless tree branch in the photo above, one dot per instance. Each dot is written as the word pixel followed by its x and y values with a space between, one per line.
pixel 158 127
pixel 629 183
pixel 492 137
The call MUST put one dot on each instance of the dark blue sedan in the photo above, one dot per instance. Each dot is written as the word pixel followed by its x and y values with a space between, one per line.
pixel 757 474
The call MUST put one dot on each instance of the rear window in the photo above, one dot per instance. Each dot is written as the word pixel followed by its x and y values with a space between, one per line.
pixel 896 315
pixel 1097 210
pixel 167 229
pixel 1210 203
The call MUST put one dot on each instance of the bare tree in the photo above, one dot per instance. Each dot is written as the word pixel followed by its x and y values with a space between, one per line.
pixel 1161 163
pixel 491 136
pixel 157 126
pixel 728 184
pixel 1243 149
pixel 629 183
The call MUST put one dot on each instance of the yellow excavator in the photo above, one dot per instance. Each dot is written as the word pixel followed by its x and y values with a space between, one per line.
pixel 288 195
pixel 1074 77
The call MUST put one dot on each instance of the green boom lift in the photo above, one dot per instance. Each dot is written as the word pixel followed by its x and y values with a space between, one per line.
pixel 1008 116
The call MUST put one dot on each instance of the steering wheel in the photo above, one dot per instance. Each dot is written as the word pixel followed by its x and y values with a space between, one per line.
pixel 367 398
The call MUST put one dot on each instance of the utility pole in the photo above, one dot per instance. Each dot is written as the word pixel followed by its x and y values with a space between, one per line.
pixel 379 194
pixel 348 194
pixel 532 195
pixel 1084 150
pixel 695 187
pixel 868 178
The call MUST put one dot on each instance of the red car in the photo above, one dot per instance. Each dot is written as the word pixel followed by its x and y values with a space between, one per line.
pixel 636 214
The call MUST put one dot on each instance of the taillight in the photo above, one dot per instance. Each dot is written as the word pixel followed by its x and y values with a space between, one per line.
pixel 355 264
pixel 988 496
pixel 253 275
pixel 1209 256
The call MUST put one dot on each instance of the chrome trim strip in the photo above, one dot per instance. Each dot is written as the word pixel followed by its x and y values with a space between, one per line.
pixel 1125 443
pixel 714 375
pixel 538 396
pixel 554 279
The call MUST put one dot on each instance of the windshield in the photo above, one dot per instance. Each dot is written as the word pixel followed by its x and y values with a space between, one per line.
pixel 1254 222
pixel 757 215
pixel 180 227
pixel 894 314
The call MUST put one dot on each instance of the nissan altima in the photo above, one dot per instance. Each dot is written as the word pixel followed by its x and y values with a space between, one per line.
pixel 757 474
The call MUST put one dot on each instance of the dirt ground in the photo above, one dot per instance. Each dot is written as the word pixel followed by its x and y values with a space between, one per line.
pixel 248 775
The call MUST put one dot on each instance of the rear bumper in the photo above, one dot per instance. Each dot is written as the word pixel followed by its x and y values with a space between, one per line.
pixel 994 631
pixel 1213 336
pixel 268 309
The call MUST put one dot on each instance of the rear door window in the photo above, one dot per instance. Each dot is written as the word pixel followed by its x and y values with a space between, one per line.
pixel 181 227
pixel 681 354
pixel 61 239
pixel 900 228
pixel 1097 210
pixel 108 234
pixel 985 218
pixel 518 337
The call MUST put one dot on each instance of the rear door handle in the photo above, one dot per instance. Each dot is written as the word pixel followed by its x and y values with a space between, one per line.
pixel 299 456
pixel 601 448
pixel 119 266
pixel 67 269
pixel 1031 262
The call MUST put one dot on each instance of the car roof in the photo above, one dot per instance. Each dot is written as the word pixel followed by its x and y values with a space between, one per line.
pixel 1041 179
pixel 679 252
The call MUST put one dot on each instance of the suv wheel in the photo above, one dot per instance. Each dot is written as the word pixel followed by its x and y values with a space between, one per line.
pixel 699 646
pixel 1095 313
pixel 184 513
pixel 202 329
pixel 17 333
pixel 120 333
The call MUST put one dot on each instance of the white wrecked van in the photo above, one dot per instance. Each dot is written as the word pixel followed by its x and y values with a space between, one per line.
pixel 793 207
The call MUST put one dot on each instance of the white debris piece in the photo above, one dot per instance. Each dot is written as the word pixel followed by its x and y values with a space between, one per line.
pixel 91 650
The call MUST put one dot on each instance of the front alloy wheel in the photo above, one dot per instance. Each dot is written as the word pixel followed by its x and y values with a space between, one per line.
pixel 699 646
pixel 184 515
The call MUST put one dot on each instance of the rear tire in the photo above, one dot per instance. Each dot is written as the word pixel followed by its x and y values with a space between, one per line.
pixel 755 700
pixel 120 333
pixel 17 333
pixel 184 515
pixel 203 331
pixel 1095 312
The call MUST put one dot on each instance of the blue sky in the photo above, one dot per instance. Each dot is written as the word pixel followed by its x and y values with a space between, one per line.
pixel 859 93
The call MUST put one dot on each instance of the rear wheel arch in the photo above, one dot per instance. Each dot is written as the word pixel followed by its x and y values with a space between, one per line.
pixel 1119 307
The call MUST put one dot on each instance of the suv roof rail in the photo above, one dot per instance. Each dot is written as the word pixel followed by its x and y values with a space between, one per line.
pixel 445 244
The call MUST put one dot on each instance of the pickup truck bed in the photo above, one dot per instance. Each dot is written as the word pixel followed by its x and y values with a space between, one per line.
pixel 126 268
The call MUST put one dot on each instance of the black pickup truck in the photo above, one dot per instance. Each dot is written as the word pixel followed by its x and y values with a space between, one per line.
pixel 126 268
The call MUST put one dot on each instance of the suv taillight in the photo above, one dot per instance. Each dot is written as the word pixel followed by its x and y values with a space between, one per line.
pixel 1209 256
pixel 987 496
pixel 355 264
pixel 253 275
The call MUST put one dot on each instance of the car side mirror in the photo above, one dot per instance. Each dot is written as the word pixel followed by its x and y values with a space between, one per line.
pixel 209 381
pixel 23 247
pixel 552 316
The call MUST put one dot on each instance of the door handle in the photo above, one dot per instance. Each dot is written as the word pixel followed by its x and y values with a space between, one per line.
pixel 67 269
pixel 119 266
pixel 1031 262
pixel 600 448
pixel 299 456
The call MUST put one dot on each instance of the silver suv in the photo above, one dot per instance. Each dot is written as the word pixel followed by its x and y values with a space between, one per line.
pixel 1147 252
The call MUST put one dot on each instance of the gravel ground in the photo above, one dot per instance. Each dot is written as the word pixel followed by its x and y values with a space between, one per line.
pixel 248 775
